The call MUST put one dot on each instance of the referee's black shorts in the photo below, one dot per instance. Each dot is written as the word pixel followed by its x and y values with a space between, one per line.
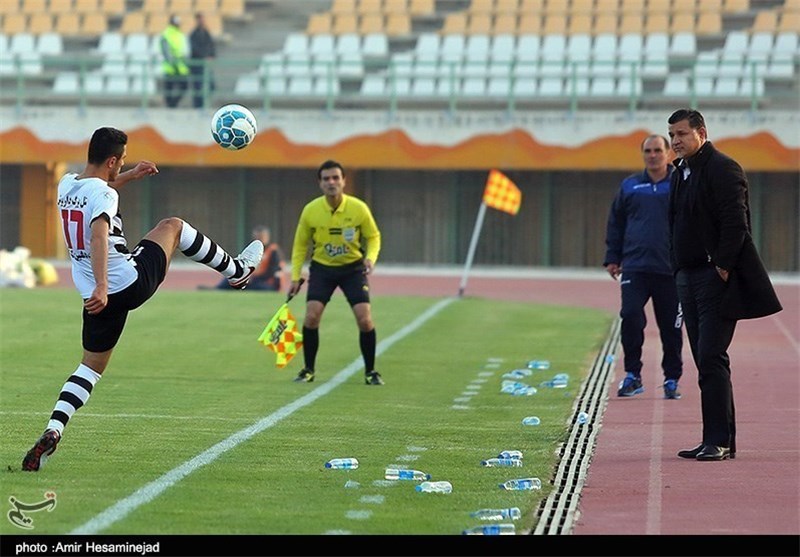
pixel 351 278
pixel 102 331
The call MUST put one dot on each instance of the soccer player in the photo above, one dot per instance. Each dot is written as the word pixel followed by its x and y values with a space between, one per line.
pixel 335 225
pixel 112 280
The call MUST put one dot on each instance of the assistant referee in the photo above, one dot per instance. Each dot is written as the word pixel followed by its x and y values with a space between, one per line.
pixel 340 232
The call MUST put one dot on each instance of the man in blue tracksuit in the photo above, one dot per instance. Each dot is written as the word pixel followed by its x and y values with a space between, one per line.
pixel 637 252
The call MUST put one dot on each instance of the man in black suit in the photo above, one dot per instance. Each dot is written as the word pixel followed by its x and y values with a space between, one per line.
pixel 718 272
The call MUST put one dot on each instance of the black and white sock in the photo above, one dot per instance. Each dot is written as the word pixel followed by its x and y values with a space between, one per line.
pixel 202 249
pixel 74 394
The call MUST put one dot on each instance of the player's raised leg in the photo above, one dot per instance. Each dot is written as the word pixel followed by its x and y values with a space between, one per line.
pixel 173 232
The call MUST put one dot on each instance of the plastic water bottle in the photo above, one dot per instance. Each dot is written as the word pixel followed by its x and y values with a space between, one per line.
pixel 491 530
pixel 501 462
pixel 610 359
pixel 583 417
pixel 342 464
pixel 539 364
pixel 398 474
pixel 518 373
pixel 510 454
pixel 497 514
pixel 531 420
pixel 560 381
pixel 434 487
pixel 522 484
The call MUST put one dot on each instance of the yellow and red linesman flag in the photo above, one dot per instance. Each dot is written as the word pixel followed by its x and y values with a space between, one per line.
pixel 281 336
pixel 501 193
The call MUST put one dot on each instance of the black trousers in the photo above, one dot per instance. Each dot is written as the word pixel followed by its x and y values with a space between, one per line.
pixel 174 88
pixel 636 289
pixel 700 291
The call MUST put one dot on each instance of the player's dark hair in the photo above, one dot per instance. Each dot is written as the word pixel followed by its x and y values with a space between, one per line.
pixel 696 119
pixel 105 143
pixel 327 165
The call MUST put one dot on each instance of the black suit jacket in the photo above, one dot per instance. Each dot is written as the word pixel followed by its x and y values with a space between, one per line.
pixel 720 209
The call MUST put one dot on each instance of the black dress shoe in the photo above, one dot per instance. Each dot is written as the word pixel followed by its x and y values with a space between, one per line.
pixel 713 452
pixel 692 453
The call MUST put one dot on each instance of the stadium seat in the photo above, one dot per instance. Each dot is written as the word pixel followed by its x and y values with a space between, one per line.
pixel 421 7
pixel 677 85
pixel 322 44
pixel 66 83
pixel 300 85
pixel 9 7
pixel 93 24
pixel 735 5
pixel 502 47
pixel 479 24
pixel 320 23
pixel 709 23
pixel 141 85
pixel 137 43
pixel 343 6
pixel 630 47
pixel 114 8
pixel 605 23
pixel 39 23
pixel 499 87
pixel 373 85
pixel 348 43
pixel 505 24
pixel 683 45
pixel 59 6
pixel 234 9
pixel 423 86
pixel 109 42
pixel 398 25
pixel 50 44
pixel 350 65
pixel 118 85
pixel 115 63
pixel 579 47
pixel 22 42
pixel 295 43
pixel 371 23
pixel 477 47
pixel 248 84
pixel 33 6
pixel 133 22
pixel 551 87
pixel 452 48
pixel 631 23
pixel 528 47
pixel 156 6
pixel 375 45
pixel 15 23
pixel 473 87
pixel 87 7
pixel 455 23
pixel 766 21
pixel 525 88
pixel 603 86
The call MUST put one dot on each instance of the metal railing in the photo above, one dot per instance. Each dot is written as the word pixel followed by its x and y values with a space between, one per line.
pixel 342 84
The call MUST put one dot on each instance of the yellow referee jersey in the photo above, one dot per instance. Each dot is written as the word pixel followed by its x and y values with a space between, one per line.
pixel 336 236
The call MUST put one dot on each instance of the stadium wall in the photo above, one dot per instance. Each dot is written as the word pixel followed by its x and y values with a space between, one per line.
pixel 422 172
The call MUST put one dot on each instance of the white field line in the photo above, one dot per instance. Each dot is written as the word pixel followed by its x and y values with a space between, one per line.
pixel 127 416
pixel 147 493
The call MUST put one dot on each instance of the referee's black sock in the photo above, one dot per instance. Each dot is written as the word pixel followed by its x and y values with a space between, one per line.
pixel 367 343
pixel 310 346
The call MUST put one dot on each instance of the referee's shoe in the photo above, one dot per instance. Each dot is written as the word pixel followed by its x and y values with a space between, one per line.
pixel 373 378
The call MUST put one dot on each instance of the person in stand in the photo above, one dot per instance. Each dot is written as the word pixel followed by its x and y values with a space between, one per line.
pixel 637 253
pixel 174 50
pixel 112 280
pixel 270 274
pixel 719 274
pixel 345 242
pixel 203 51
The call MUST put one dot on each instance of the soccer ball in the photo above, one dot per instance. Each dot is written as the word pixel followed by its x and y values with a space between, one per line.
pixel 233 127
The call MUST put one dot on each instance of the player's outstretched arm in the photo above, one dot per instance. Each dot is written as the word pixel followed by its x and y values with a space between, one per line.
pixel 141 170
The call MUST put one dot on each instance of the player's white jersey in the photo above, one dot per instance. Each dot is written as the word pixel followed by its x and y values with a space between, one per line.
pixel 80 202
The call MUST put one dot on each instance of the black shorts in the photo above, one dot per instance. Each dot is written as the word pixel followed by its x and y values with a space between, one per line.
pixel 324 279
pixel 102 331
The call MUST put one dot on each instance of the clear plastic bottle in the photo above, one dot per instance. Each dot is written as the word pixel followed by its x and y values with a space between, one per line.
pixel 489 462
pixel 342 464
pixel 511 386
pixel 518 373
pixel 497 514
pixel 510 454
pixel 531 420
pixel 522 484
pixel 539 364
pixel 401 474
pixel 491 530
pixel 434 487
pixel 583 417
pixel 560 380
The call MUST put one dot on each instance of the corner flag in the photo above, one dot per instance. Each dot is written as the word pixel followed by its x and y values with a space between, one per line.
pixel 281 334
pixel 501 193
